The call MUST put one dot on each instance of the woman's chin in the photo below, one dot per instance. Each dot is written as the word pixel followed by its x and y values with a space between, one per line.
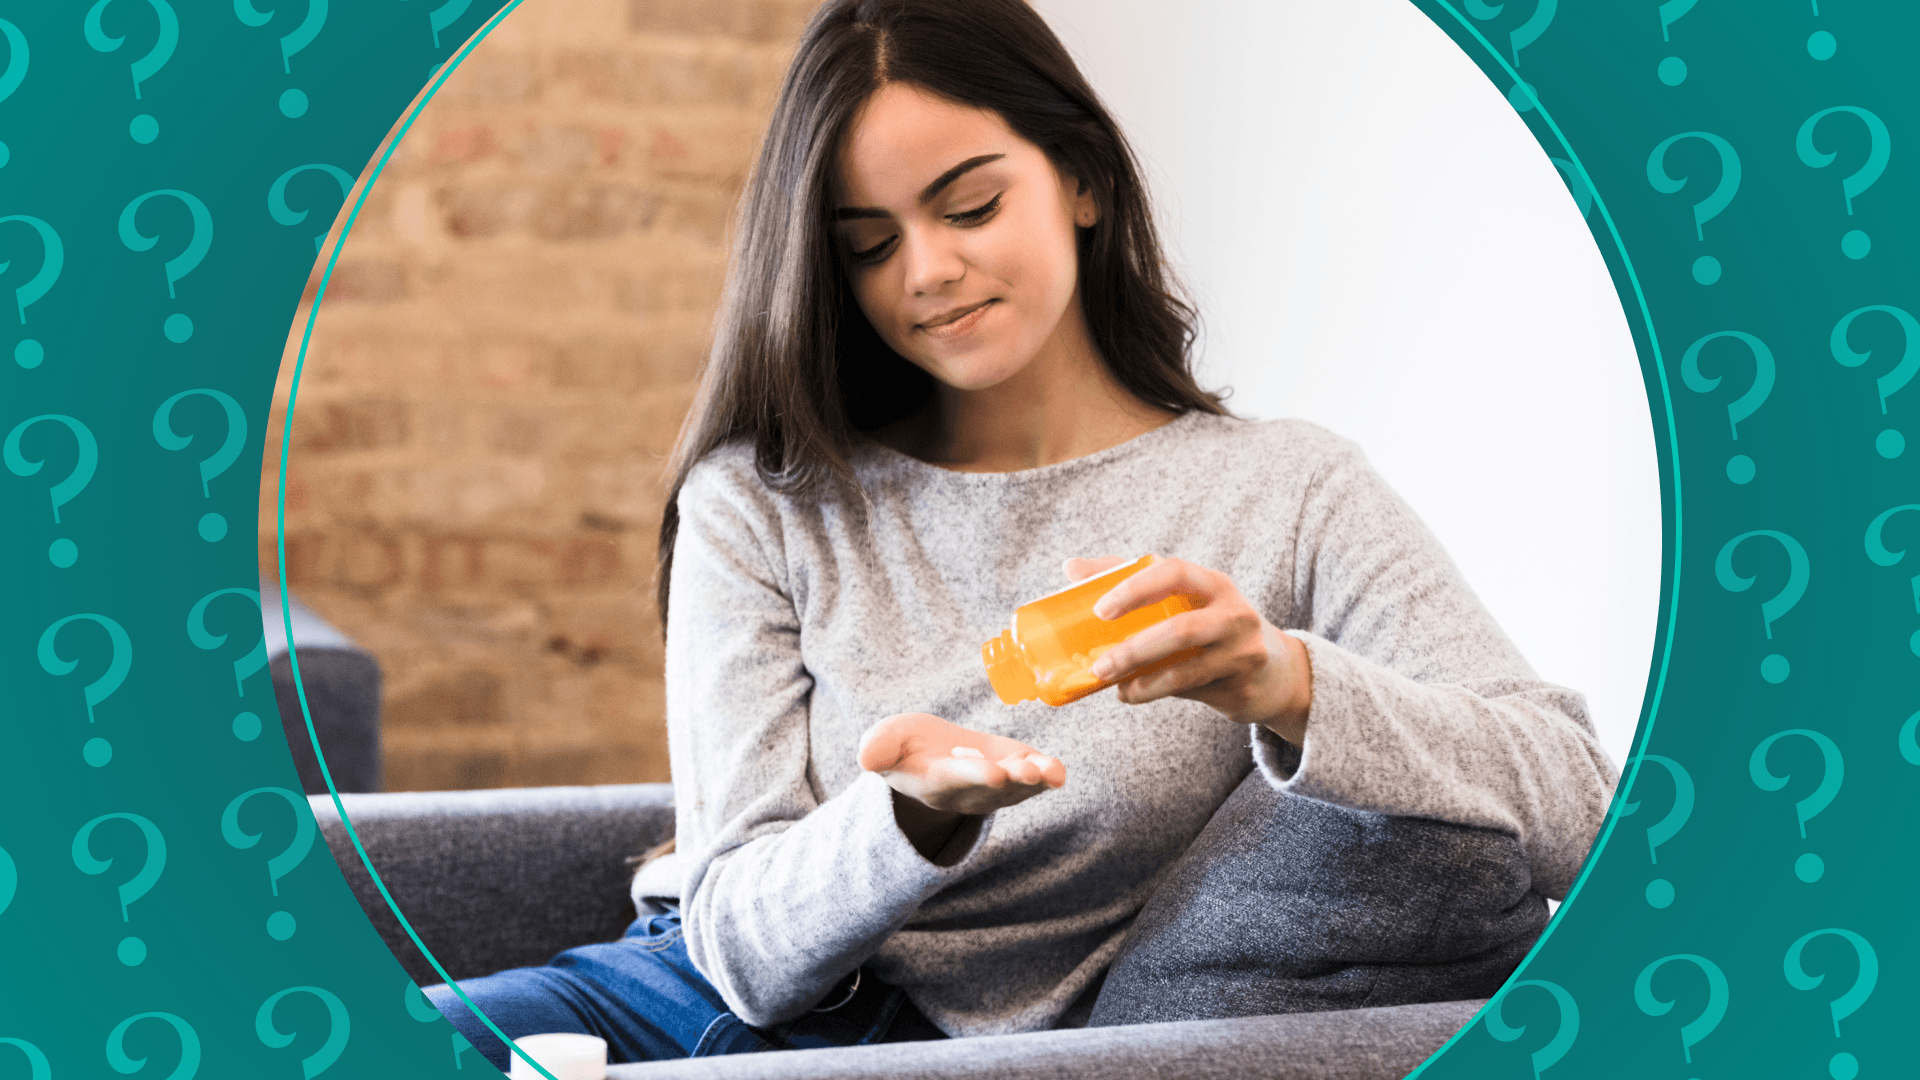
pixel 970 374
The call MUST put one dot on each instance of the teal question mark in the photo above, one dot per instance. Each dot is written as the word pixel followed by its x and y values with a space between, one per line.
pixel 62 552
pixel 280 924
pixel 293 103
pixel 1808 867
pixel 127 1066
pixel 446 14
pixel 1774 668
pixel 178 327
pixel 1660 890
pixel 144 128
pixel 212 526
pixel 197 633
pixel 422 1010
pixel 29 352
pixel 38 1067
pixel 1582 193
pixel 1521 96
pixel 1820 44
pixel 1562 1041
pixel 1672 70
pixel 16 71
pixel 1890 443
pixel 1877 551
pixel 320 1060
pixel 1855 244
pixel 1740 467
pixel 1706 268
pixel 1709 1018
pixel 1910 739
pixel 277 195
pixel 1843 1066
pixel 97 752
pixel 9 880
pixel 131 950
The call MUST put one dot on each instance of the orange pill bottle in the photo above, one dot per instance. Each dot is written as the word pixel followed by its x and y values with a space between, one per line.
pixel 1045 654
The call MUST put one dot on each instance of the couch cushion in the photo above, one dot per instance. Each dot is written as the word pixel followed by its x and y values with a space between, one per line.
pixel 1288 904
pixel 501 878
pixel 343 694
pixel 1357 1044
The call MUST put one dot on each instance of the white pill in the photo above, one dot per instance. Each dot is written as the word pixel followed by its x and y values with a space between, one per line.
pixel 967 751
pixel 973 771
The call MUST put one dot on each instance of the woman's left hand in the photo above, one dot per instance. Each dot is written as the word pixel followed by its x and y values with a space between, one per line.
pixel 1247 668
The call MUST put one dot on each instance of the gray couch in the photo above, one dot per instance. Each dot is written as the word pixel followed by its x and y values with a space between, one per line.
pixel 342 681
pixel 507 878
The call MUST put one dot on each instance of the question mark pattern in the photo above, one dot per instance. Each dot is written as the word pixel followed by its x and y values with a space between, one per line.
pixel 138 810
pixel 281 924
pixel 1775 319
pixel 1660 891
pixel 212 526
pixel 28 352
pixel 293 101
pixel 63 552
pixel 1843 1065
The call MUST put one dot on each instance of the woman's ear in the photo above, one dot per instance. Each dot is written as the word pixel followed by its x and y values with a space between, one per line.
pixel 1086 212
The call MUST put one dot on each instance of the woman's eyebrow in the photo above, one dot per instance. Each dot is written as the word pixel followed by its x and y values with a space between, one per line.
pixel 849 213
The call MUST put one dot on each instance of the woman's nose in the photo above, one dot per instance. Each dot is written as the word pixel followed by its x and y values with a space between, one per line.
pixel 932 262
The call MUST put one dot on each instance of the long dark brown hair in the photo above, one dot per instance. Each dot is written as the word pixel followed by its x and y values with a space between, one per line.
pixel 796 368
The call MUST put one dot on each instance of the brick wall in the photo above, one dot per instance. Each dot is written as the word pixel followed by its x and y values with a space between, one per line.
pixel 507 347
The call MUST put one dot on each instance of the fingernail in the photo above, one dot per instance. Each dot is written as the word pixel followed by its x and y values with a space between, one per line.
pixel 1040 761
pixel 1103 668
pixel 965 769
pixel 967 752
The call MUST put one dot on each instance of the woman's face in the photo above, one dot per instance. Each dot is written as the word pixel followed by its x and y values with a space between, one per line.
pixel 941 209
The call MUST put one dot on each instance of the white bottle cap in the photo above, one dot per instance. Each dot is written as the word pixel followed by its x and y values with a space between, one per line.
pixel 568 1056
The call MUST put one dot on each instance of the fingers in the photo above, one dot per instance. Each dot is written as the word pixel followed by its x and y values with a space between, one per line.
pixel 951 768
pixel 1166 577
pixel 1018 764
pixel 1053 771
pixel 1078 569
pixel 1200 628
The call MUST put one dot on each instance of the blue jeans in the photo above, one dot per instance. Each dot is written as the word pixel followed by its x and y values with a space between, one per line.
pixel 643 995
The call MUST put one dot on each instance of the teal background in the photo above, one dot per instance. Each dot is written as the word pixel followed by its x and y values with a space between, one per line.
pixel 1736 898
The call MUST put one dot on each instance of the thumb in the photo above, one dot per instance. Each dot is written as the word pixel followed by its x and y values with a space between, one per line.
pixel 881 747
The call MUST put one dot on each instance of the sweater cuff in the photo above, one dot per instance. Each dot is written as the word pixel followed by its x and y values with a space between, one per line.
pixel 657 880
pixel 1336 725
pixel 869 801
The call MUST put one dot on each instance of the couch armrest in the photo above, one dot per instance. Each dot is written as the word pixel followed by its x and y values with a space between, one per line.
pixel 1354 1044
pixel 497 879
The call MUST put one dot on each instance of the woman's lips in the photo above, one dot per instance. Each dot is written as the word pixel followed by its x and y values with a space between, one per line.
pixel 961 325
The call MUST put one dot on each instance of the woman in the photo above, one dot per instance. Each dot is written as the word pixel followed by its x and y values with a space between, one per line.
pixel 947 360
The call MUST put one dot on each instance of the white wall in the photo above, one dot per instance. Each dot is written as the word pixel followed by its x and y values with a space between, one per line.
pixel 1378 245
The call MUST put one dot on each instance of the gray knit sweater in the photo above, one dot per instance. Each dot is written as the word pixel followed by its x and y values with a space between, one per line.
pixel 796 624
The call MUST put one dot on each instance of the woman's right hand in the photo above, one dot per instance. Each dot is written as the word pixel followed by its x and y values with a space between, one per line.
pixel 914 752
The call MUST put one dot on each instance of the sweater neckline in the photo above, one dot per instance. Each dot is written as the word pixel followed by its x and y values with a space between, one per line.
pixel 1144 442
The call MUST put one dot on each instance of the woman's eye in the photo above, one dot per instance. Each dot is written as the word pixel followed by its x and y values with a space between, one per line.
pixel 872 254
pixel 975 215
pixel 964 218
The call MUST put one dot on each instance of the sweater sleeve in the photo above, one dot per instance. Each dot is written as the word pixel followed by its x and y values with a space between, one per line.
pixel 783 892
pixel 1422 707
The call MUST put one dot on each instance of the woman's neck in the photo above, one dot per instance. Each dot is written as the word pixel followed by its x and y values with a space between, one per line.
pixel 1045 414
